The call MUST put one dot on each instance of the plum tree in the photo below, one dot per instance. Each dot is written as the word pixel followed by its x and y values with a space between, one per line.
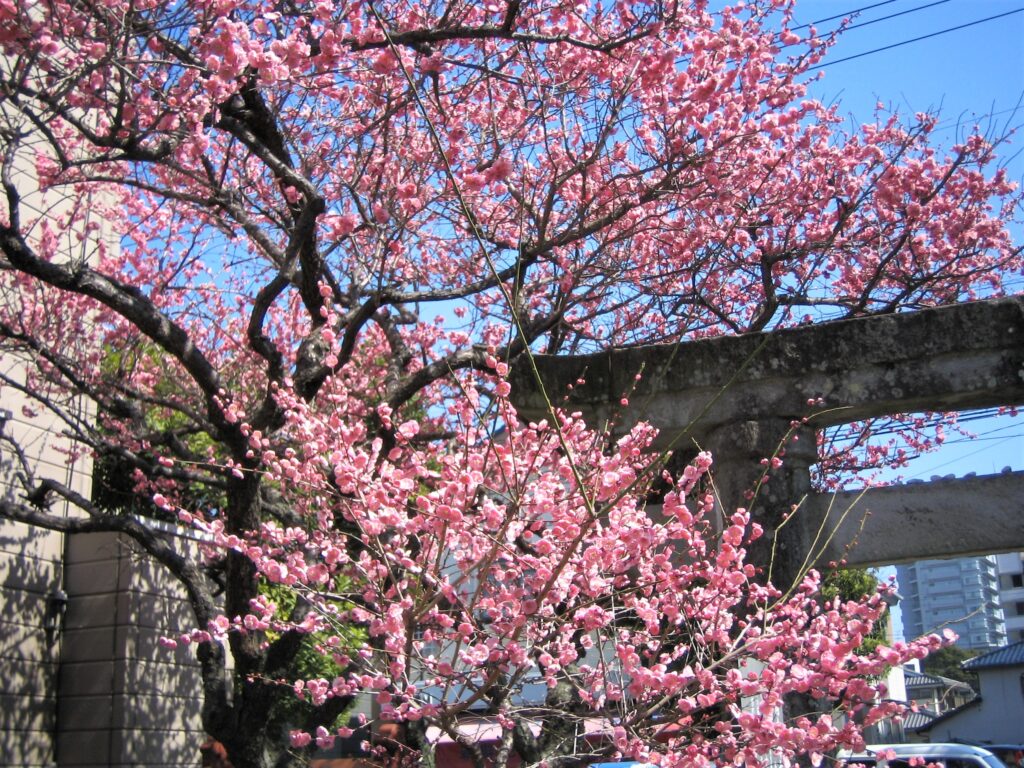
pixel 298 245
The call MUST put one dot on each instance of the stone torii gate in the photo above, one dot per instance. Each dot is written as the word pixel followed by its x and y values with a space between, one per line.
pixel 739 396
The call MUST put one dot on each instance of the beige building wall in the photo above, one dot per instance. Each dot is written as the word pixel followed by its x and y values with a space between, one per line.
pixel 31 571
pixel 96 689
pixel 31 580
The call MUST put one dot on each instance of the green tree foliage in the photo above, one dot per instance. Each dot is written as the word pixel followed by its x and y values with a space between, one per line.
pixel 312 660
pixel 854 584
pixel 946 662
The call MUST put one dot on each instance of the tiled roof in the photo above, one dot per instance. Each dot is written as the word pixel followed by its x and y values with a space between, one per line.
pixel 916 679
pixel 1007 656
pixel 920 719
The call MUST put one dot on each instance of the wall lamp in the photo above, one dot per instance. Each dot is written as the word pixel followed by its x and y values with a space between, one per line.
pixel 56 607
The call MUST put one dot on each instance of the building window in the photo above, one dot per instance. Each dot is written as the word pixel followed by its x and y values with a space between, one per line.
pixel 1017 579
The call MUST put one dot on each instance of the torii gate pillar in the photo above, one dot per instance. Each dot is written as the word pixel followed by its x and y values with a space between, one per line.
pixel 740 480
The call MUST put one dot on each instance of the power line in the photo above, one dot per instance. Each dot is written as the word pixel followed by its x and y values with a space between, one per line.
pixel 988 437
pixel 896 426
pixel 916 39
pixel 845 14
pixel 872 21
pixel 931 470
pixel 893 15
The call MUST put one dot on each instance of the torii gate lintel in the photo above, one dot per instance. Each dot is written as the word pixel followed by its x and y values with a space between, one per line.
pixel 738 396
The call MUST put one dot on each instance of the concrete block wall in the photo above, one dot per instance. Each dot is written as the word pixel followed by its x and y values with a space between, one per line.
pixel 123 699
pixel 101 691
pixel 30 558
pixel 29 571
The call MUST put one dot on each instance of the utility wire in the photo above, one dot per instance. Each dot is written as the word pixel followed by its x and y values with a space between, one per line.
pixel 871 21
pixel 860 24
pixel 931 470
pixel 845 14
pixel 964 418
pixel 988 437
pixel 916 39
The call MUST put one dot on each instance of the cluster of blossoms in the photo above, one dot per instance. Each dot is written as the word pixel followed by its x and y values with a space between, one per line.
pixel 532 563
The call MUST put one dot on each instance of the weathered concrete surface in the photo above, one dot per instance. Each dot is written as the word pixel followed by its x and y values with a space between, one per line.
pixel 738 397
pixel 948 358
pixel 960 517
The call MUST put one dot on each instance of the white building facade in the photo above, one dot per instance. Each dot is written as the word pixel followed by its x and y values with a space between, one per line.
pixel 1011 593
pixel 997 715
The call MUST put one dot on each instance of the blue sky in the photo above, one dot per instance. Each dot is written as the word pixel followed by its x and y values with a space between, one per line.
pixel 973 75
pixel 967 73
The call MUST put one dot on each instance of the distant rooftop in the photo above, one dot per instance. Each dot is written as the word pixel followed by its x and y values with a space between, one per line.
pixel 915 679
pixel 1007 656
pixel 912 721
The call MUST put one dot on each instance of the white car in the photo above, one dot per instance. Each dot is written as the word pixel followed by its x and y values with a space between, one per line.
pixel 908 755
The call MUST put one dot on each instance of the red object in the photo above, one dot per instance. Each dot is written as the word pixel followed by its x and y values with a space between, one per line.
pixel 214 755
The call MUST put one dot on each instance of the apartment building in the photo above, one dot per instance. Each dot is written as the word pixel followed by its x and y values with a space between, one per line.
pixel 961 594
pixel 1011 593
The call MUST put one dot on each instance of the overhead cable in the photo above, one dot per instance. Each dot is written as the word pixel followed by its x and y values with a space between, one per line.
pixel 916 39
pixel 860 24
pixel 845 14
